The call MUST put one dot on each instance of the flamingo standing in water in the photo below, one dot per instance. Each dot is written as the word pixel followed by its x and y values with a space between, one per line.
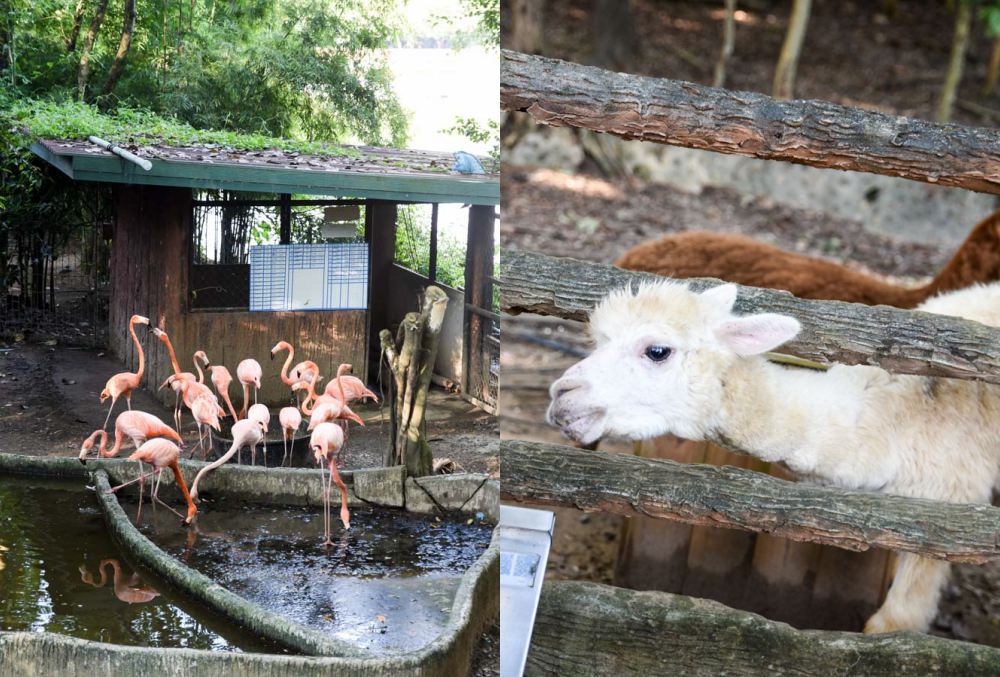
pixel 262 415
pixel 249 373
pixel 161 454
pixel 125 382
pixel 290 420
pixel 127 590
pixel 136 425
pixel 246 433
pixel 221 378
pixel 326 442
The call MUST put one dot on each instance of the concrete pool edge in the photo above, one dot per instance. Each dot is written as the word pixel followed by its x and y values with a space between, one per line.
pixel 476 604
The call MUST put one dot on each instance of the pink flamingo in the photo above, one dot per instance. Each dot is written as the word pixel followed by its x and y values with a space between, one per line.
pixel 248 372
pixel 205 410
pixel 161 454
pixel 221 378
pixel 200 355
pixel 127 590
pixel 285 345
pixel 326 442
pixel 348 388
pixel 326 408
pixel 136 425
pixel 186 375
pixel 188 390
pixel 246 433
pixel 125 382
pixel 290 420
pixel 262 415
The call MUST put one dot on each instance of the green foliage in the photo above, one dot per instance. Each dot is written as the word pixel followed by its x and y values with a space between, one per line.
pixel 288 68
pixel 487 15
pixel 989 14
pixel 413 246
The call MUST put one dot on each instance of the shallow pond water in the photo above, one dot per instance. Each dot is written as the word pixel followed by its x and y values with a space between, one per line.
pixel 53 544
pixel 387 585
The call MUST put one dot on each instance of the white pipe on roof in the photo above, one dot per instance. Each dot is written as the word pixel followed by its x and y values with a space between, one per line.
pixel 121 152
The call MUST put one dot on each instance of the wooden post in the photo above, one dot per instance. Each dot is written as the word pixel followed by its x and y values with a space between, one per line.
pixel 411 355
pixel 380 234
pixel 788 61
pixel 432 259
pixel 286 219
pixel 478 294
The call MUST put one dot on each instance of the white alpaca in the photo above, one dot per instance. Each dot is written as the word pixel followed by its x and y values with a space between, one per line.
pixel 668 360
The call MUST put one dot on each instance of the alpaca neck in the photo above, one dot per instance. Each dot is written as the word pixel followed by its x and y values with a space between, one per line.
pixel 804 418
pixel 975 261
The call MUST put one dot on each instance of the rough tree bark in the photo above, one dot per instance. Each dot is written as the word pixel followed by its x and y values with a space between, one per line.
pixel 814 133
pixel 527 25
pixel 118 65
pixel 956 64
pixel 735 498
pixel 83 70
pixel 592 629
pixel 728 43
pixel 900 341
pixel 74 33
pixel 410 356
pixel 788 60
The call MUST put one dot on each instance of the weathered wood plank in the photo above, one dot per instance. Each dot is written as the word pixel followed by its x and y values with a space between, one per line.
pixel 585 629
pixel 901 341
pixel 816 133
pixel 742 499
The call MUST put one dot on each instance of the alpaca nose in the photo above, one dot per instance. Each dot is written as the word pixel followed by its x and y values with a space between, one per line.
pixel 566 385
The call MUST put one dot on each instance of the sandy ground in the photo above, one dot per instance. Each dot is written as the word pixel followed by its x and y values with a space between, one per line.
pixel 49 404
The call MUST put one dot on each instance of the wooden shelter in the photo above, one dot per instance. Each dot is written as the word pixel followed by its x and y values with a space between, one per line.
pixel 158 267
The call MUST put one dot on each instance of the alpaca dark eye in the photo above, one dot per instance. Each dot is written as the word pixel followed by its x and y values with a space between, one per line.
pixel 657 353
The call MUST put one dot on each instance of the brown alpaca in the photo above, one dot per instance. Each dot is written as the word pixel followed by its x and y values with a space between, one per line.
pixel 739 259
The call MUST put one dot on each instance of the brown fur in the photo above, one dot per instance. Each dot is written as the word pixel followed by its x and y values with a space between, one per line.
pixel 739 259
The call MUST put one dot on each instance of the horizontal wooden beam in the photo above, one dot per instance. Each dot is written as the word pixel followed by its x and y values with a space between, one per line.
pixel 900 341
pixel 735 498
pixel 816 133
pixel 589 629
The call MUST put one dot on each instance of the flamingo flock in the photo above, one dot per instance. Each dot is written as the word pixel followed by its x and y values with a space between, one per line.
pixel 160 445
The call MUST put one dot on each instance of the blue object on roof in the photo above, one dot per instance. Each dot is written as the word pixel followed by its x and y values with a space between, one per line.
pixel 466 163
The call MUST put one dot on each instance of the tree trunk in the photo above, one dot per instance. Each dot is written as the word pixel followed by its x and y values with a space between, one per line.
pixel 788 61
pixel 411 359
pixel 7 38
pixel 527 25
pixel 613 34
pixel 993 70
pixel 83 70
pixel 123 46
pixel 959 46
pixel 77 23
pixel 728 42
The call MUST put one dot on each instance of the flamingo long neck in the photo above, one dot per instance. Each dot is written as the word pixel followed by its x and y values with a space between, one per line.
pixel 138 346
pixel 237 443
pixel 102 569
pixel 285 378
pixel 311 399
pixel 170 349
pixel 340 385
pixel 229 403
pixel 197 368
pixel 182 485
pixel 102 447
pixel 113 451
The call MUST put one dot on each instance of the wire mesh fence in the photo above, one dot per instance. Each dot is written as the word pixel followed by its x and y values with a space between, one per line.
pixel 56 284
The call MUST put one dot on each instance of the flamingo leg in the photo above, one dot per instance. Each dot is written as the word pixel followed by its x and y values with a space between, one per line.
pixel 125 484
pixel 108 417
pixel 128 401
pixel 205 456
pixel 159 476
pixel 284 439
pixel 345 514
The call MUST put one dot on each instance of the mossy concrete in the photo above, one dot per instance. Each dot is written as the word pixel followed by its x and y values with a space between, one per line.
pixel 466 493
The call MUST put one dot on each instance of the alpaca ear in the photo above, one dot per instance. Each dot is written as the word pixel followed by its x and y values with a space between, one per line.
pixel 723 296
pixel 756 334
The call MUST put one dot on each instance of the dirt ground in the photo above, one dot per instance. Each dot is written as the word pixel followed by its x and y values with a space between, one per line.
pixel 593 218
pixel 854 53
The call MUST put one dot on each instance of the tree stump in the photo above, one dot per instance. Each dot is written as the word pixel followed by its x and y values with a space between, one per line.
pixel 410 356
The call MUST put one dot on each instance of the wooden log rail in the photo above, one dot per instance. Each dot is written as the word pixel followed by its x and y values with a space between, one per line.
pixel 900 341
pixel 815 133
pixel 588 629
pixel 724 496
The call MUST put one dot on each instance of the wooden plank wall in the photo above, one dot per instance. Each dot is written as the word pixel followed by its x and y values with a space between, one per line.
pixel 149 274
